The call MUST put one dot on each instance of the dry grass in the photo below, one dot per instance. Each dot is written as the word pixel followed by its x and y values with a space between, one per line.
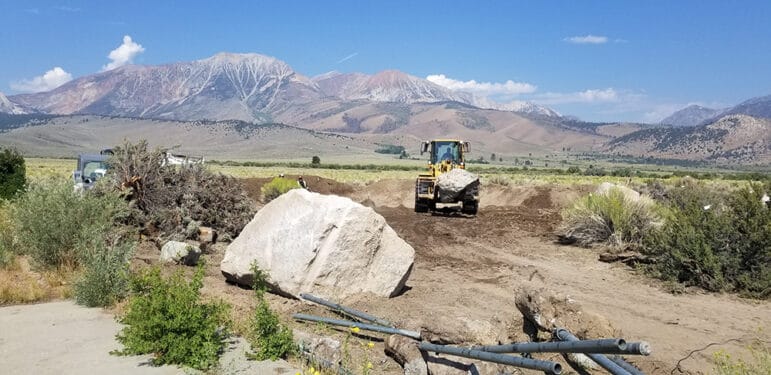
pixel 20 284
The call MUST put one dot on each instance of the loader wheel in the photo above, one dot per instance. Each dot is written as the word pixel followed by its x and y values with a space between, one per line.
pixel 421 205
pixel 470 207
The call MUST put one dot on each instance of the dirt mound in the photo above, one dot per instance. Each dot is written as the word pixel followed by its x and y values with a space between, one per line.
pixel 253 186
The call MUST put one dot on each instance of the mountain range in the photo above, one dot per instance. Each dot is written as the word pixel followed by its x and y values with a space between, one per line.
pixel 259 89
pixel 694 115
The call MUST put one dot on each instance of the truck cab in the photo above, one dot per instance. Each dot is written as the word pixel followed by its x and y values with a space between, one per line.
pixel 90 168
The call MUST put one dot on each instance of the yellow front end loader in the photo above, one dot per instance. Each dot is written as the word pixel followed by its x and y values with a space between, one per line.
pixel 445 155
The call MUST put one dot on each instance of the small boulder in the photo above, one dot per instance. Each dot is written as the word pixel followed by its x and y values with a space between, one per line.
pixel 180 252
pixel 547 311
pixel 453 183
pixel 206 235
pixel 324 245
pixel 405 351
pixel 629 194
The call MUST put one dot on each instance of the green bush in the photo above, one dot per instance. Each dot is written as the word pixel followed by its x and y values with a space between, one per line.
pixel 12 173
pixel 105 278
pixel 53 224
pixel 272 339
pixel 715 241
pixel 609 218
pixel 760 363
pixel 166 317
pixel 276 187
pixel 7 238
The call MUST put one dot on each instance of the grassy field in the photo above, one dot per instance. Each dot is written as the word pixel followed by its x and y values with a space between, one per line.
pixel 38 168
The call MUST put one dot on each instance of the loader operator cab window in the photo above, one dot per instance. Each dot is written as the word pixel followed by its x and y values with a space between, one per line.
pixel 446 151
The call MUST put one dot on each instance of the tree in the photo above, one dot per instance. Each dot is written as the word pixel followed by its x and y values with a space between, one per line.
pixel 315 160
pixel 12 173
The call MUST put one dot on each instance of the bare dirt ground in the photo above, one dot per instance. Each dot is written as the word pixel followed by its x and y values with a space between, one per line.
pixel 467 270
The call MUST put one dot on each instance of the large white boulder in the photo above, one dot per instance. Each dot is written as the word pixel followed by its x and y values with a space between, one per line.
pixel 453 183
pixel 320 244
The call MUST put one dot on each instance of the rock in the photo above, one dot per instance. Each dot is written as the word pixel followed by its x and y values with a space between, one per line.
pixel 629 194
pixel 405 351
pixel 322 349
pixel 234 361
pixel 451 184
pixel 445 366
pixel 325 245
pixel 180 252
pixel 206 234
pixel 548 311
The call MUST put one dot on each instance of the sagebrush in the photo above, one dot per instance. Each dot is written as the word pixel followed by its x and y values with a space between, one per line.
pixel 105 278
pixel 54 225
pixel 166 317
pixel 612 218
pixel 717 241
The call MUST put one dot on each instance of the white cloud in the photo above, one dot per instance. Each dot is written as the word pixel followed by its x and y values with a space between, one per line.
pixel 46 82
pixel 483 88
pixel 587 39
pixel 124 54
pixel 586 96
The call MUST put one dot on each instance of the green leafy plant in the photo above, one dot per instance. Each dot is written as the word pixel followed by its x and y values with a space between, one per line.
pixel 166 317
pixel 725 364
pixel 12 173
pixel 276 187
pixel 269 336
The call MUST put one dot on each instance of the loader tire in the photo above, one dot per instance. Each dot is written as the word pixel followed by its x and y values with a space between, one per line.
pixel 421 205
pixel 470 207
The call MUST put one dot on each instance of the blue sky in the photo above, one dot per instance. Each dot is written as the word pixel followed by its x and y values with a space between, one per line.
pixel 598 60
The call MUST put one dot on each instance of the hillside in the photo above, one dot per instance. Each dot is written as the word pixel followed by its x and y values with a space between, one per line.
pixel 66 136
pixel 734 139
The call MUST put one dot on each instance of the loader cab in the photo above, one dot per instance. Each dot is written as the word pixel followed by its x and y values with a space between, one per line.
pixel 452 151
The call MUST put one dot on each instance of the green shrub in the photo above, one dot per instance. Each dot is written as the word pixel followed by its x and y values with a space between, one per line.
pixel 53 223
pixel 165 317
pixel 105 278
pixel 760 363
pixel 609 218
pixel 7 238
pixel 272 339
pixel 12 173
pixel 276 187
pixel 715 241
